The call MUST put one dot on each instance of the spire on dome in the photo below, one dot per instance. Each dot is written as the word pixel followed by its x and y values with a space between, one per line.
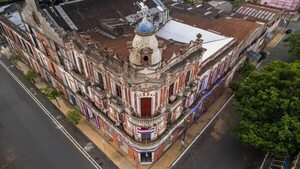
pixel 144 27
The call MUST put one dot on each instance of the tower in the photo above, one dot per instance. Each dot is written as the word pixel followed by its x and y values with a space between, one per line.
pixel 145 51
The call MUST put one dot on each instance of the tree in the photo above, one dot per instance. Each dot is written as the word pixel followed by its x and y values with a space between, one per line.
pixel 269 105
pixel 293 41
pixel 31 76
pixel 51 94
pixel 263 55
pixel 14 58
pixel 246 69
pixel 74 116
pixel 236 3
pixel 191 1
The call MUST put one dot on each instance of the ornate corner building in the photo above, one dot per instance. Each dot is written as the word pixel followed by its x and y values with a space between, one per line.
pixel 139 76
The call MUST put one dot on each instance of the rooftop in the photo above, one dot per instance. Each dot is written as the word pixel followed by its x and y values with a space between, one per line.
pixel 82 15
pixel 11 13
pixel 237 28
pixel 183 33
pixel 260 13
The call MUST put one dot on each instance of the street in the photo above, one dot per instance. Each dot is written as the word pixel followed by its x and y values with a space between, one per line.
pixel 217 148
pixel 280 51
pixel 30 140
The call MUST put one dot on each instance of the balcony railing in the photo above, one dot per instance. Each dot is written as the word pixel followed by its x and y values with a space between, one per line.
pixel 99 91
pixel 147 122
pixel 174 103
pixel 80 77
pixel 117 104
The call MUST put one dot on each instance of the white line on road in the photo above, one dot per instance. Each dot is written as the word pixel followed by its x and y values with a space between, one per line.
pixel 202 131
pixel 259 64
pixel 263 163
pixel 63 130
pixel 279 40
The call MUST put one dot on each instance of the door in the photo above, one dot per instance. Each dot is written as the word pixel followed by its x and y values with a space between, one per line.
pixel 146 107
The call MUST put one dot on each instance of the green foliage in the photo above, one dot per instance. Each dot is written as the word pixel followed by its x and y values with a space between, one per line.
pixel 234 85
pixel 191 1
pixel 269 104
pixel 263 55
pixel 74 116
pixel 293 41
pixel 31 76
pixel 236 3
pixel 14 58
pixel 51 94
pixel 246 69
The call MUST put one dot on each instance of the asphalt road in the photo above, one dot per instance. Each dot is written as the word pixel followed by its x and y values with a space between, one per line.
pixel 280 52
pixel 30 140
pixel 217 148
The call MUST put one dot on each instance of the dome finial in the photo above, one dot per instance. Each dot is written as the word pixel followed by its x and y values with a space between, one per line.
pixel 144 27
pixel 144 9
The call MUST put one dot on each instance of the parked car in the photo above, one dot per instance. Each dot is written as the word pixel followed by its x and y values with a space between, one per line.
pixel 288 31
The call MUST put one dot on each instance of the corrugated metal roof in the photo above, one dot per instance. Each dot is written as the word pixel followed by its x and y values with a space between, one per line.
pixel 184 33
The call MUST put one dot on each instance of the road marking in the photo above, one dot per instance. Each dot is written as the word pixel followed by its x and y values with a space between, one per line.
pixel 46 111
pixel 259 64
pixel 202 131
pixel 263 163
pixel 279 40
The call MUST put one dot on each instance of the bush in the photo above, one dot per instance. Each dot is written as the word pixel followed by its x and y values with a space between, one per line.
pixel 234 85
pixel 31 76
pixel 14 58
pixel 74 116
pixel 51 94
pixel 246 69
pixel 263 55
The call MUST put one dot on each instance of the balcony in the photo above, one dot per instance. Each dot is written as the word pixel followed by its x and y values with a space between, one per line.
pixel 146 122
pixel 99 91
pixel 80 77
pixel 189 89
pixel 82 96
pixel 116 104
pixel 174 102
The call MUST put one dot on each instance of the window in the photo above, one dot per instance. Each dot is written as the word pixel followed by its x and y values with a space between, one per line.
pixel 100 80
pixel 200 86
pixel 118 91
pixel 171 90
pixel 80 65
pixel 187 77
pixel 45 48
pixel 146 136
pixel 57 49
pixel 145 58
pixel 146 107
pixel 30 50
pixel 146 156
pixel 33 37
pixel 2 29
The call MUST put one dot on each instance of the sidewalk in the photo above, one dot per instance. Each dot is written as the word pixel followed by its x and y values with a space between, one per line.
pixel 277 38
pixel 176 149
pixel 113 152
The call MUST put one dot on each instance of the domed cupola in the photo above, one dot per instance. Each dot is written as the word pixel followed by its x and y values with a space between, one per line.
pixel 145 27
pixel 144 49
